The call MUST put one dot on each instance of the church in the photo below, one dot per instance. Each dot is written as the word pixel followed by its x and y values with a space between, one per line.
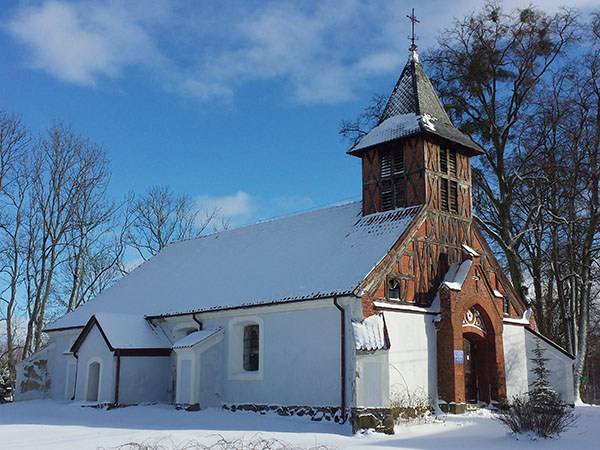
pixel 337 313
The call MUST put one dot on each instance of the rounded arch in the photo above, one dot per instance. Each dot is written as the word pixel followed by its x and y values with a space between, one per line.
pixel 93 379
pixel 477 322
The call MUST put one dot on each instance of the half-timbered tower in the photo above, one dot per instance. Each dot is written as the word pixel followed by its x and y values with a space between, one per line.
pixel 416 156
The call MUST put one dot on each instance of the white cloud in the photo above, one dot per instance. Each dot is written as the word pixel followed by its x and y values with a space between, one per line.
pixel 82 42
pixel 322 52
pixel 235 208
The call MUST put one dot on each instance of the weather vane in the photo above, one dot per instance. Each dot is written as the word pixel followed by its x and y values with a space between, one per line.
pixel 413 19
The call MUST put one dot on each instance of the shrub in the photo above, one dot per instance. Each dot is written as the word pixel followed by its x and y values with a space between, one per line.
pixel 542 411
pixel 410 406
pixel 6 388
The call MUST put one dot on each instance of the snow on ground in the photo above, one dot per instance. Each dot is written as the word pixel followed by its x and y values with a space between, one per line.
pixel 54 425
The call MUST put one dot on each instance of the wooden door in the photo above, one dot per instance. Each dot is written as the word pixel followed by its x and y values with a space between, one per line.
pixel 470 372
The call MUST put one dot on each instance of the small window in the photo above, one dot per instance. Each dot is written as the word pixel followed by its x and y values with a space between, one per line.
pixel 506 306
pixel 392 183
pixel 399 192
pixel 387 195
pixel 393 289
pixel 398 162
pixel 448 161
pixel 385 169
pixel 452 162
pixel 444 194
pixel 448 195
pixel 453 197
pixel 444 160
pixel 251 348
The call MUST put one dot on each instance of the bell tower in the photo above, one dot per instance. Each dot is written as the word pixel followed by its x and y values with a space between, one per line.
pixel 415 155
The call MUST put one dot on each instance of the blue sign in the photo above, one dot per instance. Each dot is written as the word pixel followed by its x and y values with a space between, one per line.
pixel 459 357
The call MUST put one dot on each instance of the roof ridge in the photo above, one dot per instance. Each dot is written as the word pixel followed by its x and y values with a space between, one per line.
pixel 339 204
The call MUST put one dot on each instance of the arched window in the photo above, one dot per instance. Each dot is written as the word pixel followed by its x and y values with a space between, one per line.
pixel 251 350
pixel 393 289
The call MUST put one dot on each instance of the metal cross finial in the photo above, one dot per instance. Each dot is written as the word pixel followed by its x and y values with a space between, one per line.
pixel 413 19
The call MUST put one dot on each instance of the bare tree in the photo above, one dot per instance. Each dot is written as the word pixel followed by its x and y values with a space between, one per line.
pixel 563 249
pixel 161 217
pixel 14 184
pixel 67 170
pixel 487 68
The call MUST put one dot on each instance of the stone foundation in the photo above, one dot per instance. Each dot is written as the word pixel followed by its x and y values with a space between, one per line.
pixel 453 408
pixel 378 419
pixel 315 413
pixel 381 420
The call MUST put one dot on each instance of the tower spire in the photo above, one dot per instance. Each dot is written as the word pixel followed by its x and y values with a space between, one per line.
pixel 413 20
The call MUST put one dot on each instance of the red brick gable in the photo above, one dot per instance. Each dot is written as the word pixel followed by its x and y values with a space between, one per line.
pixel 421 257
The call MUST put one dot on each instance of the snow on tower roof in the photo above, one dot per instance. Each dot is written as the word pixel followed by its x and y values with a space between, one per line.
pixel 316 254
pixel 414 108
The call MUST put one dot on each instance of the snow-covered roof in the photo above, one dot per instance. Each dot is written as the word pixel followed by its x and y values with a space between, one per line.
pixel 369 335
pixel 196 338
pixel 470 251
pixel 396 127
pixel 457 274
pixel 311 255
pixel 127 331
pixel 413 108
pixel 525 320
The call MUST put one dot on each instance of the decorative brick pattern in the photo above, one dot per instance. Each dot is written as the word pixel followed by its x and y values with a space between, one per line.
pixel 476 293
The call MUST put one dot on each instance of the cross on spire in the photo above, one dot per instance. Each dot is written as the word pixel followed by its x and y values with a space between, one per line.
pixel 413 19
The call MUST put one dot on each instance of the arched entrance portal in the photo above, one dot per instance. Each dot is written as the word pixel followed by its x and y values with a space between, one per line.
pixel 480 366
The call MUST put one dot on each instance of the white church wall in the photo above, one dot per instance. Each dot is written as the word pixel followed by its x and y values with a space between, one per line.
pixel 559 364
pixel 94 349
pixel 199 373
pixel 412 355
pixel 299 355
pixel 515 360
pixel 210 367
pixel 519 366
pixel 55 362
pixel 372 380
pixel 144 379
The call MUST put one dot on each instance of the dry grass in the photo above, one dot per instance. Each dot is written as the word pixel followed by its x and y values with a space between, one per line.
pixel 220 444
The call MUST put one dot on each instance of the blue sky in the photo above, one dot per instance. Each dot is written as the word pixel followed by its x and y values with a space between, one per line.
pixel 236 103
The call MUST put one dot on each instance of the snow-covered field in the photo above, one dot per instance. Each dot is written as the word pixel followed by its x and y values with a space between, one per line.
pixel 54 425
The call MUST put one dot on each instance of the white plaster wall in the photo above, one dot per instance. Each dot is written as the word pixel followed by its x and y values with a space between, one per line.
pixel 560 366
pixel 300 356
pixel 372 379
pixel 515 360
pixel 211 370
pixel 412 354
pixel 94 348
pixel 59 342
pixel 144 379
pixel 58 362
pixel 519 344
